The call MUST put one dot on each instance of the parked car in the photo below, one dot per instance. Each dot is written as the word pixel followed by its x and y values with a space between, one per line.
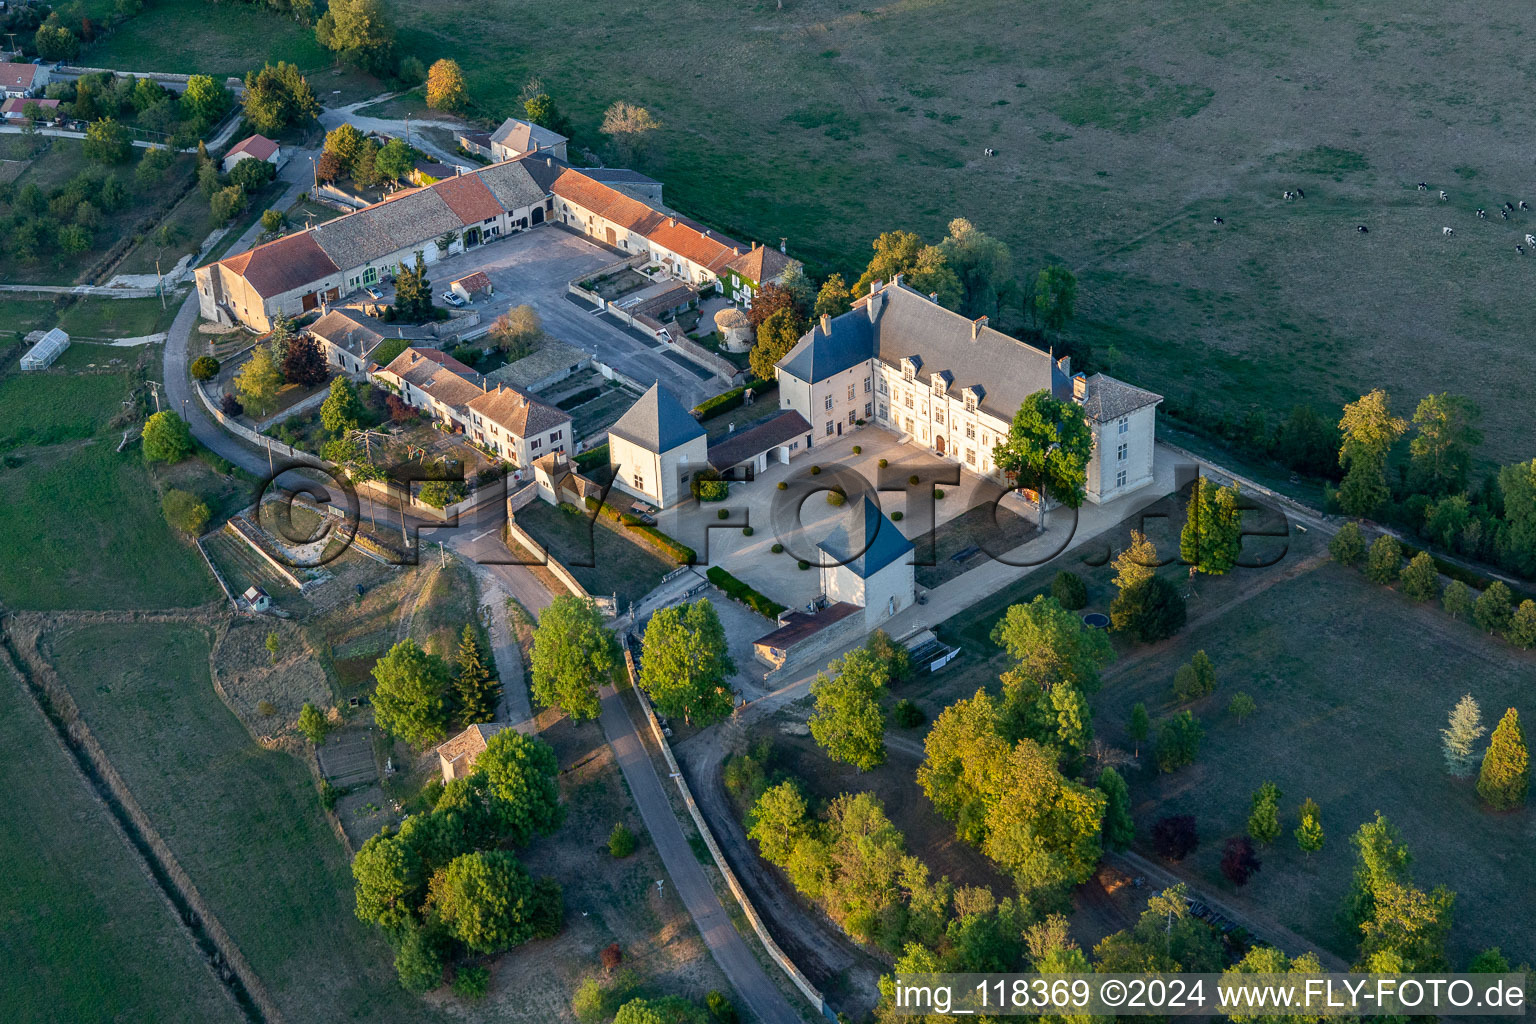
pixel 373 292
pixel 452 298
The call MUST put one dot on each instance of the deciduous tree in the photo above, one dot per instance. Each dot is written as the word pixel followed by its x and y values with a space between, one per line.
pixel 1264 814
pixel 303 362
pixel 1441 449
pixel 489 902
pixel 1241 706
pixel 1139 725
pixel 184 511
pixel 258 381
pixel 1178 741
pixel 1150 611
pixel 1421 580
pixel 205 100
pixel 687 667
pixel 517 775
pixel 166 438
pixel 573 654
pixel 360 32
pixel 389 881
pixel 277 97
pixel 445 85
pixel 341 410
pixel 775 338
pixel 1239 862
pixel 923 268
pixel 408 700
pixel 1055 297
pixel 833 298
pixel 1385 560
pixel 1309 831
pixel 1369 431
pixel 107 142
pixel 1047 448
pixel 1119 829
pixel 983 265
pixel 848 722
pixel 1457 600
pixel 1347 546
pixel 312 724
pixel 1494 608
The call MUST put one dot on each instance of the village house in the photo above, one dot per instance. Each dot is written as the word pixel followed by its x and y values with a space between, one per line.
pixel 256 147
pixel 513 425
pixel 951 385
pixel 516 137
pixel 16 109
pixel 745 275
pixel 866 561
pixel 348 337
pixel 18 81
pixel 656 447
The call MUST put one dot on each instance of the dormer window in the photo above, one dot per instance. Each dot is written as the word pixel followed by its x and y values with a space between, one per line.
pixel 910 365
pixel 970 402
pixel 973 397
pixel 940 384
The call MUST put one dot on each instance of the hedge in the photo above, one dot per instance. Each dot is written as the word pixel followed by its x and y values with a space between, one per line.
pixel 731 399
pixel 682 554
pixel 592 458
pixel 739 591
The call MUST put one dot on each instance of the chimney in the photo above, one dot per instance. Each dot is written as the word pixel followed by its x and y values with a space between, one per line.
pixel 875 286
pixel 1064 364
pixel 1079 388
pixel 672 222
pixel 826 323
pixel 934 297
pixel 977 325
pixel 706 232
pixel 896 281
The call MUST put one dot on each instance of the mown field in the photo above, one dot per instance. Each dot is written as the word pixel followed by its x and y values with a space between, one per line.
pixel 85 935
pixel 245 823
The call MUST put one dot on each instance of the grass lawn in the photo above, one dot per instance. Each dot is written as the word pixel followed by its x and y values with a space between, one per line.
pixel 119 318
pixel 23 316
pixel 189 37
pixel 601 560
pixel 52 407
pixel 88 936
pixel 246 823
pixel 1353 683
pixel 81 527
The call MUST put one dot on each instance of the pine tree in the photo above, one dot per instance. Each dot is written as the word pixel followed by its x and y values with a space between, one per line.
pixel 473 685
pixel 1119 829
pixel 1264 817
pixel 1309 834
pixel 1506 773
pixel 1465 728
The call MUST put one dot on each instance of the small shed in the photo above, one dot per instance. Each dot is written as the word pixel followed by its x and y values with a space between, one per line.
pixel 257 598
pixel 474 286
pixel 735 329
pixel 49 348
pixel 457 756
pixel 255 147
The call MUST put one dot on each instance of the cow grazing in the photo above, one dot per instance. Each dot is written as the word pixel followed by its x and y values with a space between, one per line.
pixel 1482 214
pixel 1217 220
pixel 1447 232
pixel 1363 229
pixel 1503 215
pixel 1300 194
pixel 1530 240
pixel 1423 186
pixel 1523 206
pixel 1444 195
pixel 1520 249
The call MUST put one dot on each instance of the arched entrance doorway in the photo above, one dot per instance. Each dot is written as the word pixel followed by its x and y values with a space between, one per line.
pixel 938 443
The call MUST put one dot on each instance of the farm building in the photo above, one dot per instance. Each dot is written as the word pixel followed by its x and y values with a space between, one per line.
pixel 456 757
pixel 256 147
pixel 42 355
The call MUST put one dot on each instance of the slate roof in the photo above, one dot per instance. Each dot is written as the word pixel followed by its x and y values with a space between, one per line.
pixel 258 146
pixel 1109 399
pixel 905 323
pixel 738 448
pixel 517 412
pixel 293 261
pixel 657 422
pixel 826 353
pixel 868 542
pixel 800 626
pixel 618 176
pixel 761 264
pixel 517 134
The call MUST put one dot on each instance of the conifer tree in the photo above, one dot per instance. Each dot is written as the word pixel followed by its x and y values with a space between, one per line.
pixel 473 685
pixel 1119 829
pixel 1140 725
pixel 1506 772
pixel 1460 737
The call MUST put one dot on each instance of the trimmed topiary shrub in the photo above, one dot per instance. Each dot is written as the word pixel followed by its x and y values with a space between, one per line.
pixel 815 471
pixel 836 498
pixel 723 513
pixel 746 531
pixel 897 517
pixel 783 485
pixel 914 479
pixel 205 368
pixel 777 548
pixel 858 449
pixel 883 463
pixel 938 494
pixel 804 565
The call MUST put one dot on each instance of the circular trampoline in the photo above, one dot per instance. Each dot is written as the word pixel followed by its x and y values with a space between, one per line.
pixel 1096 620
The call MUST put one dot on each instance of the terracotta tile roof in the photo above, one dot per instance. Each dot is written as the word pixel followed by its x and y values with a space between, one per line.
pixel 474 282
pixel 761 265
pixel 692 245
pixel 17 76
pixel 470 742
pixel 258 146
pixel 608 203
pixel 518 413
pixel 295 261
pixel 17 104
pixel 468 198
